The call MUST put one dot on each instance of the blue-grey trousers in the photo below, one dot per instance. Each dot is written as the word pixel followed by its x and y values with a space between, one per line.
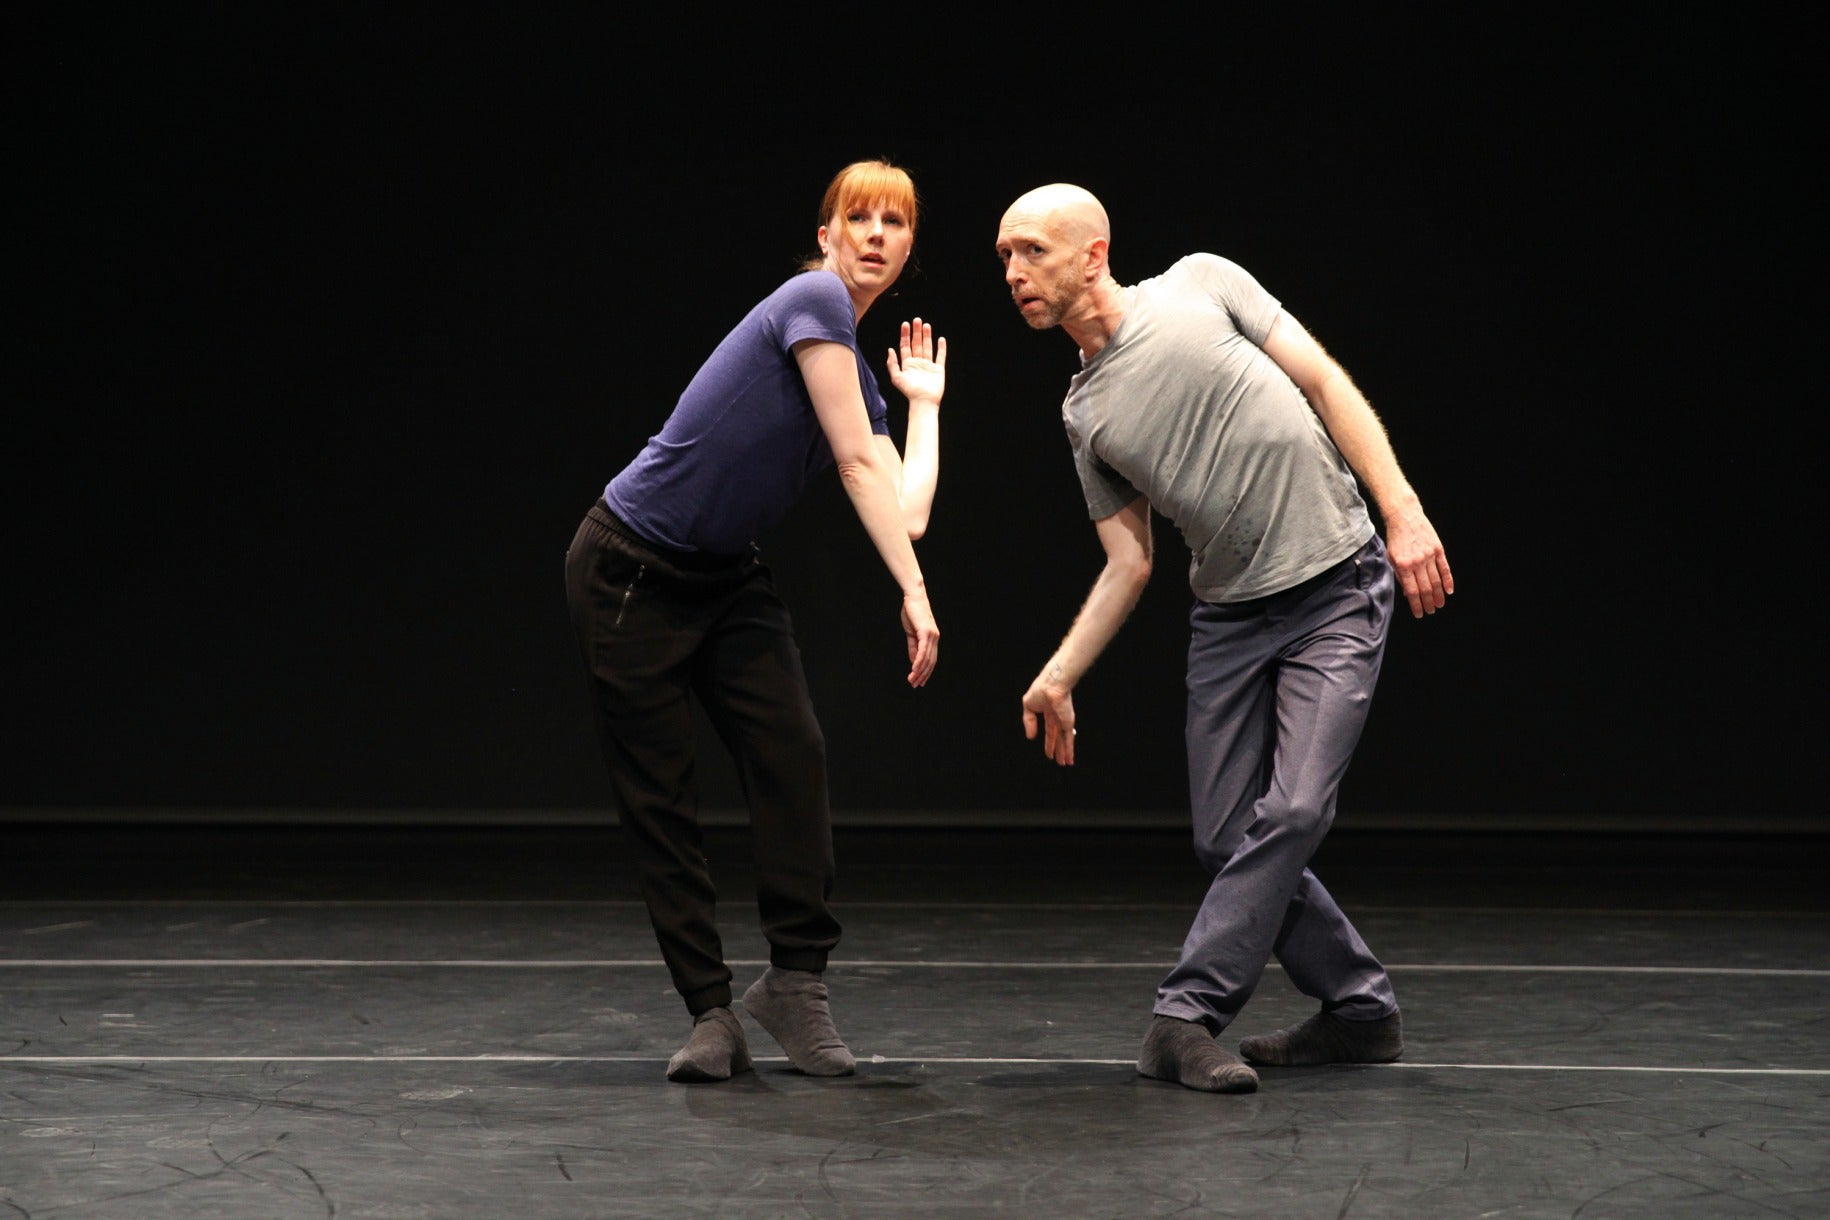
pixel 1278 691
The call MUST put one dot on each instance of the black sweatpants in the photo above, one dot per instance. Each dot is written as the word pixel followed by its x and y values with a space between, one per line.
pixel 656 626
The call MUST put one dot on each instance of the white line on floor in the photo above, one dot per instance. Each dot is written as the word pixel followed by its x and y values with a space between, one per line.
pixel 1688 913
pixel 881 1060
pixel 340 963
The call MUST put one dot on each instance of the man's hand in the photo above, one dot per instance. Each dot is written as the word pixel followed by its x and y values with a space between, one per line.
pixel 1054 703
pixel 1418 559
pixel 923 637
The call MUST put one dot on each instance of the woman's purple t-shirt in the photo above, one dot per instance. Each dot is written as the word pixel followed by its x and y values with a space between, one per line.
pixel 743 440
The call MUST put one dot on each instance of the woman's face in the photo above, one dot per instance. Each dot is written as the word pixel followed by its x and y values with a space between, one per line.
pixel 867 247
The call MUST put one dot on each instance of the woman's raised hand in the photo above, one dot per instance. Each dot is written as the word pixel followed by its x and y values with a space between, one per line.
pixel 918 366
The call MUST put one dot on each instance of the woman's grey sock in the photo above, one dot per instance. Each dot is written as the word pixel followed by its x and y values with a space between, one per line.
pixel 1184 1052
pixel 716 1050
pixel 792 1005
pixel 1326 1038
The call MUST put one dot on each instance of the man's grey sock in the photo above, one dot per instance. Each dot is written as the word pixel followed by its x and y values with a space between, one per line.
pixel 1184 1052
pixel 716 1050
pixel 792 1005
pixel 1326 1038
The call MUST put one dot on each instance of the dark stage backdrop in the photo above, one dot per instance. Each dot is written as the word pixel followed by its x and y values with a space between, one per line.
pixel 334 326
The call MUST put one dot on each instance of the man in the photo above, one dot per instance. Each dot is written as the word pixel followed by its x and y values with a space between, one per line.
pixel 1201 397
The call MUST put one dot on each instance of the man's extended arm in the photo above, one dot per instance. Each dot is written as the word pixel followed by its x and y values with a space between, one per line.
pixel 1416 553
pixel 1125 535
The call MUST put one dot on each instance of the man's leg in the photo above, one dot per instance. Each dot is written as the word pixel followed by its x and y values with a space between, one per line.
pixel 1338 662
pixel 750 680
pixel 1228 737
pixel 1278 692
pixel 1323 956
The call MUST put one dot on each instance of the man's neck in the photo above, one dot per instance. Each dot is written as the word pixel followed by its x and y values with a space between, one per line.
pixel 1101 313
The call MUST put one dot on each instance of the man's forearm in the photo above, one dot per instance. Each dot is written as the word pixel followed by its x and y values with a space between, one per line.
pixel 1114 595
pixel 1357 432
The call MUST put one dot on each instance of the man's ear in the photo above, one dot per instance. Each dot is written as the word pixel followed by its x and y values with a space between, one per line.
pixel 1097 248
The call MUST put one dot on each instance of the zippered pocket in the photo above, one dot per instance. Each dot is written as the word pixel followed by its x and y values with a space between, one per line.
pixel 629 592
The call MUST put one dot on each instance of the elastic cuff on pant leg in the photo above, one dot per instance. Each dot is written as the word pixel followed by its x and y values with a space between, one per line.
pixel 1358 1010
pixel 798 959
pixel 712 997
pixel 1207 1020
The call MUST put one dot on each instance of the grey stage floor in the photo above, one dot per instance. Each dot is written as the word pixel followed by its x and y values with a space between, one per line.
pixel 368 1022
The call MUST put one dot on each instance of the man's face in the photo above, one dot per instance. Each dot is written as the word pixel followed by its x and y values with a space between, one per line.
pixel 1044 272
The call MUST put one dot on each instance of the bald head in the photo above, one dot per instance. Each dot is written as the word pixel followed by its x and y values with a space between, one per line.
pixel 1071 213
pixel 1053 242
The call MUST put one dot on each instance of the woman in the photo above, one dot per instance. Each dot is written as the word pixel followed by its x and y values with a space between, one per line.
pixel 668 596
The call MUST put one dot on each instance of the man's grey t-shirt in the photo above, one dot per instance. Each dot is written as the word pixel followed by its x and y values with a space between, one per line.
pixel 1184 407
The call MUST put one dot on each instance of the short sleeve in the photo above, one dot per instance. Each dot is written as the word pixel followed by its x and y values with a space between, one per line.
pixel 817 306
pixel 1106 490
pixel 1252 308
